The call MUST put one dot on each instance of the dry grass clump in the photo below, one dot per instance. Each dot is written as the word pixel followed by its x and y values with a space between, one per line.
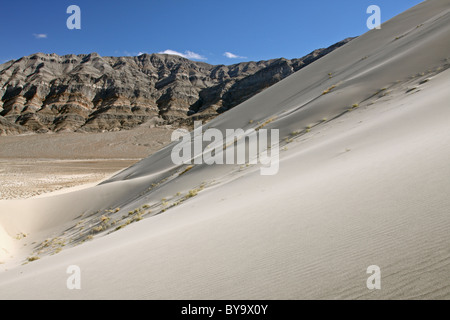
pixel 186 170
pixel 20 236
pixel 329 90
pixel 98 229
pixel 137 217
pixel 123 225
pixel 265 123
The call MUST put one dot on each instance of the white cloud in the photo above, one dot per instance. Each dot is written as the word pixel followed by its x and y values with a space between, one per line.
pixel 193 55
pixel 132 54
pixel 40 35
pixel 187 54
pixel 230 55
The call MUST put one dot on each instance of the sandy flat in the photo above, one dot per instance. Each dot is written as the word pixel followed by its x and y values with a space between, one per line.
pixel 21 179
pixel 363 181
pixel 128 144
pixel 36 164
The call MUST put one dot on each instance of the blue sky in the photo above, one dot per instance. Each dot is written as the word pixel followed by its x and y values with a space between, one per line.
pixel 201 29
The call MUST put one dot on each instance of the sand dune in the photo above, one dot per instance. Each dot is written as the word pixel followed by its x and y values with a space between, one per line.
pixel 363 180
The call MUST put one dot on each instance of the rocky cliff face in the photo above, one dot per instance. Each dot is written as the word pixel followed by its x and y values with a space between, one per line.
pixel 90 93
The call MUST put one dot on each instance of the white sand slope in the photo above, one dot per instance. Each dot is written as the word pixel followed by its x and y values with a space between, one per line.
pixel 366 185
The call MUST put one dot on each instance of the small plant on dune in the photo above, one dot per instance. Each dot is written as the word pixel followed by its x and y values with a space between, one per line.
pixel 186 170
pixel 288 140
pixel 192 193
pixel 138 217
pixel 33 258
pixel 123 225
pixel 98 229
pixel 329 90
pixel 104 219
pixel 265 123
pixel 57 242
pixel 20 236
pixel 380 91
pixel 355 106
pixel 45 243
pixel 146 206
pixel 176 203
pixel 80 222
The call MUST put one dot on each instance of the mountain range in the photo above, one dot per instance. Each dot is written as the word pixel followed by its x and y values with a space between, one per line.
pixel 90 93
